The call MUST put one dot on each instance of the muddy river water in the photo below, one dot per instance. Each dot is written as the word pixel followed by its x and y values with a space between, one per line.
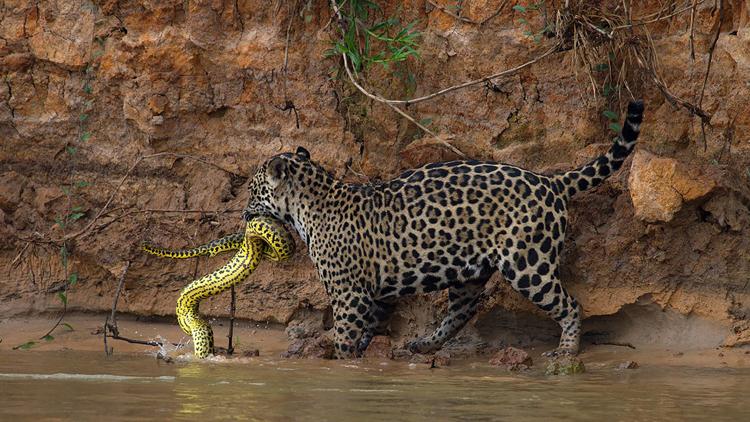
pixel 86 385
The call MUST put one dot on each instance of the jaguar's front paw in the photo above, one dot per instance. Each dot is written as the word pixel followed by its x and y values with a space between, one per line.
pixel 559 352
pixel 421 346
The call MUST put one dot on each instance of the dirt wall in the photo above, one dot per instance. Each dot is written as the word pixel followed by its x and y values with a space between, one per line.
pixel 88 87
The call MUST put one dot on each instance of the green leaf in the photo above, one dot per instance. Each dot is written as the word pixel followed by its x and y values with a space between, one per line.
pixel 611 115
pixel 519 8
pixel 73 279
pixel 64 255
pixel 82 184
pixel 308 18
pixel 85 136
pixel 608 90
pixel 66 190
pixel 71 150
pixel 75 216
pixel 26 346
pixel 615 127
pixel 83 117
pixel 88 89
pixel 601 67
pixel 63 298
pixel 68 326
pixel 59 222
pixel 48 337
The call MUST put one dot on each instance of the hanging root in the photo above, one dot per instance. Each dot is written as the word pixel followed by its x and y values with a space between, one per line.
pixel 615 50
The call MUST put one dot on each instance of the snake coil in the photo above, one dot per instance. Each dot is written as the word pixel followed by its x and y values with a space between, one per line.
pixel 264 237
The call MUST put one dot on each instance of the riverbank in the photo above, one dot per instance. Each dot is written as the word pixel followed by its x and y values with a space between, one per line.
pixel 270 341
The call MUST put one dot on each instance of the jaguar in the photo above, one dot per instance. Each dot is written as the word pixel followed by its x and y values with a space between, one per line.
pixel 448 225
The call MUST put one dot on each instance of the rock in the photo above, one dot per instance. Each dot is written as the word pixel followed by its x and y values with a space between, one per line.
pixel 311 348
pixel 660 186
pixel 402 354
pixel 728 212
pixel 16 62
pixel 565 365
pixel 512 358
pixel 420 358
pixel 251 353
pixel 10 190
pixel 630 364
pixel 61 32
pixel 441 359
pixel 379 348
pixel 300 331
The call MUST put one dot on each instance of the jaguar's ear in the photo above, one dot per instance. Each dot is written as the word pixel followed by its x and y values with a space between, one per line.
pixel 303 153
pixel 277 172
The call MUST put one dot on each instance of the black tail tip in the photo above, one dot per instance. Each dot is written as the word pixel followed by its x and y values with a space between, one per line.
pixel 635 108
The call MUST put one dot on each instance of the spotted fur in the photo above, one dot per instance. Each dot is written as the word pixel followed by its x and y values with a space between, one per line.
pixel 442 226
pixel 264 237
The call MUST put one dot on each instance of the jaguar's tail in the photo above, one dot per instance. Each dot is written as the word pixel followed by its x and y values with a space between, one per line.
pixel 593 173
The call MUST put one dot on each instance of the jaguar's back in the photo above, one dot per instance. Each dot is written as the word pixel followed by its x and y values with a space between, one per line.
pixel 444 225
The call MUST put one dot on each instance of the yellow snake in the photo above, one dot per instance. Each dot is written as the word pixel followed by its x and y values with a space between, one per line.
pixel 264 237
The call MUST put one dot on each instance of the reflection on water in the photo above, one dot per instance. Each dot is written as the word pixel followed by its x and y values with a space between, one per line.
pixel 81 385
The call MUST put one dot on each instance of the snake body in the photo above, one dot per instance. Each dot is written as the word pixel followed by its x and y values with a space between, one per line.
pixel 264 237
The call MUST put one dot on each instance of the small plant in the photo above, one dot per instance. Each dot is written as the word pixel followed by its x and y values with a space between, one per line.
pixel 72 191
pixel 368 40
pixel 613 118
pixel 530 32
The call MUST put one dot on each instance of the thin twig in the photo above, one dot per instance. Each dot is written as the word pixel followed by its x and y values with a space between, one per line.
pixel 462 85
pixel 59 320
pixel 495 13
pixel 449 13
pixel 112 327
pixel 107 350
pixel 711 51
pixel 692 30
pixel 64 297
pixel 657 19
pixel 190 211
pixel 13 263
pixel 708 70
pixel 113 315
pixel 232 309
pixel 613 343
pixel 389 104
pixel 443 91
pixel 125 177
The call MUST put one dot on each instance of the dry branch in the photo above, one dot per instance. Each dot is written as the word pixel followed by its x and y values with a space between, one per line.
pixel 112 327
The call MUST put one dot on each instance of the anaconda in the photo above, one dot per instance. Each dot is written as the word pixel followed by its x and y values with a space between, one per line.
pixel 264 237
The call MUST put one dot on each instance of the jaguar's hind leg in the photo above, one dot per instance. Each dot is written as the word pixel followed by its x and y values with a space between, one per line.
pixel 462 305
pixel 541 285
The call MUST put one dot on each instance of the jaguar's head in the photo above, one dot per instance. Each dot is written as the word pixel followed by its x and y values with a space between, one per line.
pixel 272 187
